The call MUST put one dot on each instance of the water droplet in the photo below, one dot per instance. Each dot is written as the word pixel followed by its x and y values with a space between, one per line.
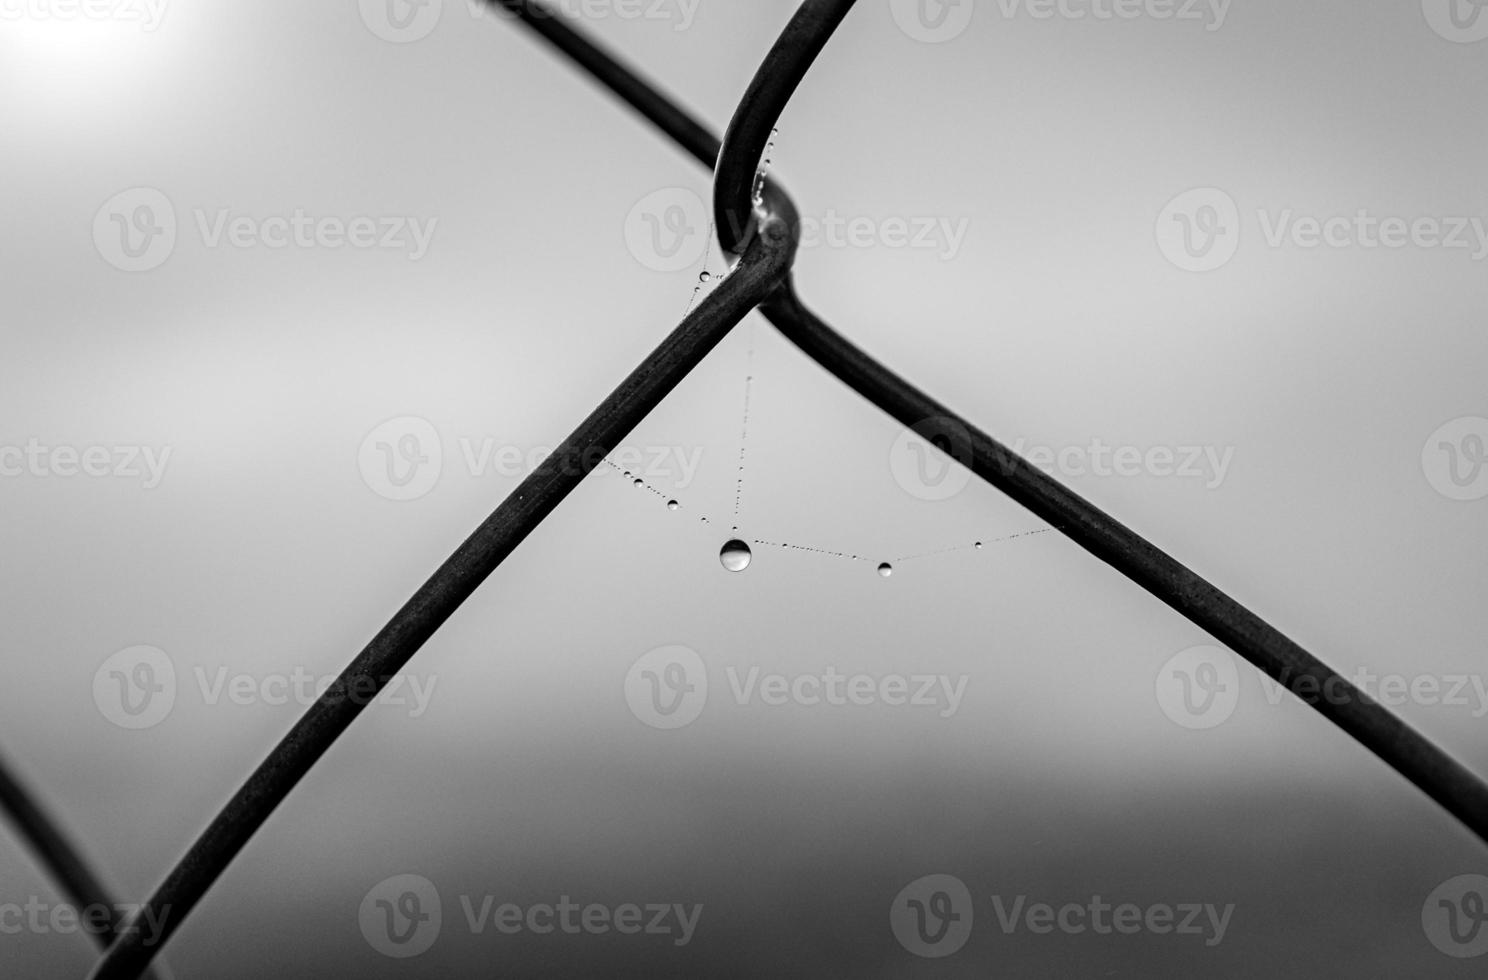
pixel 705 276
pixel 735 555
pixel 640 483
pixel 673 505
pixel 886 570
pixel 979 546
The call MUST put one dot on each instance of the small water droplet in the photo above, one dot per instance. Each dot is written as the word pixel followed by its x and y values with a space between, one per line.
pixel 886 570
pixel 979 546
pixel 673 505
pixel 735 555
pixel 705 277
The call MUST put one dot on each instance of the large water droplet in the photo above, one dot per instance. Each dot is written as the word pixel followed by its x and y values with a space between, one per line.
pixel 735 555
pixel 673 505
pixel 640 483
pixel 886 569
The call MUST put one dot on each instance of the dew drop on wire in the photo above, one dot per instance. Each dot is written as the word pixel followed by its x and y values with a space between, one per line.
pixel 735 555
pixel 886 570
pixel 673 505
pixel 639 483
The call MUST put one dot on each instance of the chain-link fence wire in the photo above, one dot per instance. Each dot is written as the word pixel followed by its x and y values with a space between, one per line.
pixel 759 223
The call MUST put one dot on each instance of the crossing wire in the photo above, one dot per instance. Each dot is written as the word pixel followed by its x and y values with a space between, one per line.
pixel 764 235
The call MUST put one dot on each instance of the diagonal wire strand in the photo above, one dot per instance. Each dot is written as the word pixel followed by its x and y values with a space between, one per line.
pixel 1424 764
pixel 79 883
pixel 758 272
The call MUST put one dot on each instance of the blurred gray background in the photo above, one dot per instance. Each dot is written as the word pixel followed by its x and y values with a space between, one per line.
pixel 1063 316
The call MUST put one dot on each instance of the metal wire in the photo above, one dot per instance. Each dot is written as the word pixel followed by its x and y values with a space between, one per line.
pixel 1457 789
pixel 762 278
pixel 759 110
pixel 59 856
pixel 758 272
